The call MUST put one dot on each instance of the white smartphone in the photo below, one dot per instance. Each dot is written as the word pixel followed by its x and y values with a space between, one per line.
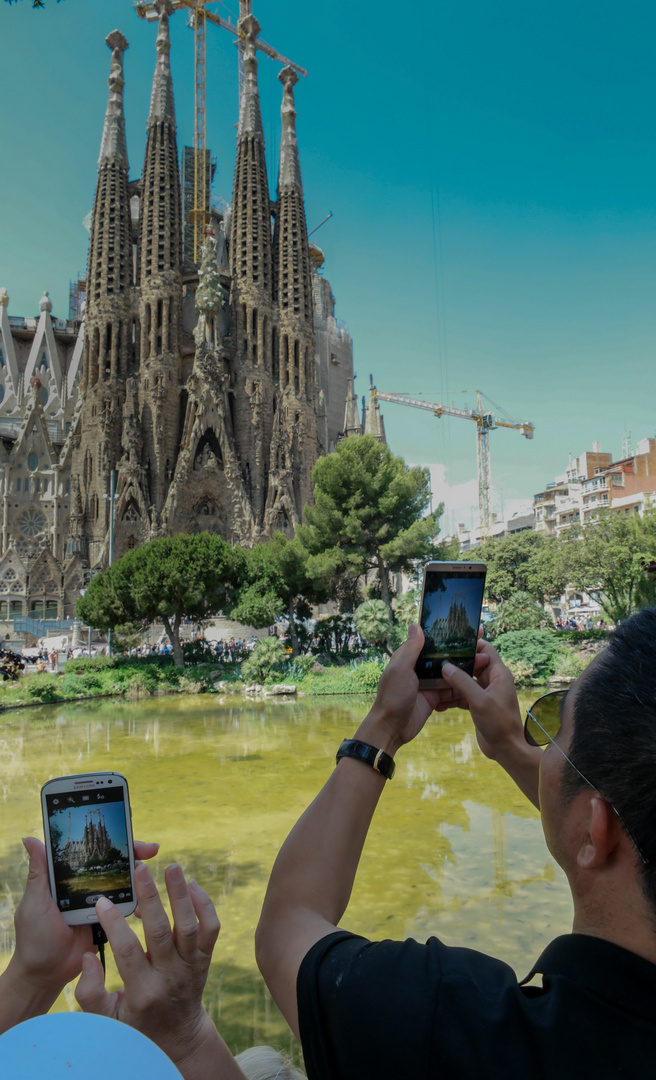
pixel 88 831
pixel 450 613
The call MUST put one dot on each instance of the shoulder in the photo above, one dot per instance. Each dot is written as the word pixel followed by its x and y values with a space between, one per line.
pixel 392 1008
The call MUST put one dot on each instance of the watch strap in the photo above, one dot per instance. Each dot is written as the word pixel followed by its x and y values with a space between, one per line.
pixel 369 755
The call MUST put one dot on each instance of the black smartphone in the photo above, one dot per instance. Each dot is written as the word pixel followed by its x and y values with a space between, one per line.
pixel 88 832
pixel 450 613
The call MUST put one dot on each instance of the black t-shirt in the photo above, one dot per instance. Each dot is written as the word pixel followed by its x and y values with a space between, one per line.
pixel 399 1010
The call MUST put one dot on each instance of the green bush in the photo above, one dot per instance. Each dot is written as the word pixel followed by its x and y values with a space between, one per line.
pixel 568 665
pixel 44 688
pixel 366 676
pixel 537 648
pixel 267 655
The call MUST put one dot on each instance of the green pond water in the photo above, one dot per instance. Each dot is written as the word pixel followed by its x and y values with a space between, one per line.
pixel 454 850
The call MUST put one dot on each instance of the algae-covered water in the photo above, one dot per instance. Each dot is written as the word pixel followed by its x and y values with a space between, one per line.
pixel 455 849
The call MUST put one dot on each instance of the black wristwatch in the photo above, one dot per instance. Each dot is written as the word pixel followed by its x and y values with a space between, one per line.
pixel 369 755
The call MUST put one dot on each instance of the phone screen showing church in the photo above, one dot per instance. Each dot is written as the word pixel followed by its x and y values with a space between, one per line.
pixel 88 837
pixel 450 615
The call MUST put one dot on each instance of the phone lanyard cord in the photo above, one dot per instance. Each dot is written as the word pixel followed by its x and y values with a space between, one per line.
pixel 100 939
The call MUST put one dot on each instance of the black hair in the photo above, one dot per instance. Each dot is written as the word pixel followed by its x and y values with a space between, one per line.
pixel 614 738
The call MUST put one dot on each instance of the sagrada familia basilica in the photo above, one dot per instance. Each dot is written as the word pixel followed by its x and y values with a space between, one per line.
pixel 208 392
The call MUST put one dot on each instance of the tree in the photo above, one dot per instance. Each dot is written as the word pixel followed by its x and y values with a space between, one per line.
pixel 609 558
pixel 520 612
pixel 280 577
pixel 372 621
pixel 525 562
pixel 172 578
pixel 368 513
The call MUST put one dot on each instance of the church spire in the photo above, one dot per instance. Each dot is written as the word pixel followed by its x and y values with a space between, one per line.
pixel 290 169
pixel 113 147
pixel 161 96
pixel 250 240
pixel 161 213
pixel 352 424
pixel 109 270
pixel 250 117
pixel 292 252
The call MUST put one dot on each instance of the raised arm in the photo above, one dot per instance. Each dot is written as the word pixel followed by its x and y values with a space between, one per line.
pixel 492 701
pixel 312 877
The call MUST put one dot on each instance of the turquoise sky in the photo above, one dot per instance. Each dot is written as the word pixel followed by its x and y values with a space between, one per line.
pixel 491 170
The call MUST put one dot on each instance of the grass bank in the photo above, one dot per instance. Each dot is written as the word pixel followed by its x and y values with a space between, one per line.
pixel 533 656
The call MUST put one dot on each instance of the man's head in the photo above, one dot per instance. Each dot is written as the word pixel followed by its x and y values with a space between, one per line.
pixel 613 741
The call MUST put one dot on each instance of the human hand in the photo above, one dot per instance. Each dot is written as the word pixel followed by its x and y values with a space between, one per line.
pixel 163 986
pixel 492 701
pixel 48 952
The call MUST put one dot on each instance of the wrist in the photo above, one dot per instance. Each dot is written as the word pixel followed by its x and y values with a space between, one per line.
pixel 377 731
pixel 26 994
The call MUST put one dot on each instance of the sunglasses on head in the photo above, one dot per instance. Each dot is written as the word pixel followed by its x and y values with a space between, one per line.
pixel 541 727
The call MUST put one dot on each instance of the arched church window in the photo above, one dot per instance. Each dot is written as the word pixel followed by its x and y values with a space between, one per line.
pixel 43 366
pixel 18 483
pixel 32 461
pixel 3 609
pixel 45 394
pixel 31 532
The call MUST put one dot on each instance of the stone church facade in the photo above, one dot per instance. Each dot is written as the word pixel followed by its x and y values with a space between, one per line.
pixel 210 393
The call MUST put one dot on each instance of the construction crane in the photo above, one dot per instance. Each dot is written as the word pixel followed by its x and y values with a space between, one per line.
pixel 486 422
pixel 199 16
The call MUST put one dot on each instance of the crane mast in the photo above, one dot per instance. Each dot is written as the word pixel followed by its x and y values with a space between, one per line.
pixel 199 16
pixel 486 422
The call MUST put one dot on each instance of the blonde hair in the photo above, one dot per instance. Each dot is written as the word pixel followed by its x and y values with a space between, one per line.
pixel 265 1063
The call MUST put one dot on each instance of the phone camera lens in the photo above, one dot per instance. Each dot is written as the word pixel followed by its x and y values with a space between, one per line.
pixel 110 781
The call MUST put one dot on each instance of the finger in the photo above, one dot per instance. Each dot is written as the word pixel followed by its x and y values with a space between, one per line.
pixel 143 849
pixel 208 920
pixel 90 992
pixel 126 947
pixel 38 863
pixel 185 923
pixel 157 928
pixel 464 685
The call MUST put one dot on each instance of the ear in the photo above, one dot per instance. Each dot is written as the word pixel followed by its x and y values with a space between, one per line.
pixel 601 837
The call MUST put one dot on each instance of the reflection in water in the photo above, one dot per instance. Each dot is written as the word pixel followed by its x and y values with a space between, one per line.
pixel 455 849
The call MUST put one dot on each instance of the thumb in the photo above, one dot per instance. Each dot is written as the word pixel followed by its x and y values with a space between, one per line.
pixel 90 991
pixel 467 687
pixel 37 877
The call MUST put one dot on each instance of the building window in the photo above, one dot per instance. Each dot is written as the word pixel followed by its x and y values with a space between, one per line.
pixel 51 609
pixel 15 608
pixel 2 358
pixel 18 484
pixel 3 609
pixel 45 394
pixel 32 461
pixel 43 366
pixel 36 609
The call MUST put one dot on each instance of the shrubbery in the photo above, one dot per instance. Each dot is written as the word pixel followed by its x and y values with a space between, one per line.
pixel 536 650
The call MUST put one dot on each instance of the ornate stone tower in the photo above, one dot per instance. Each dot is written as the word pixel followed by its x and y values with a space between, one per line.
pixel 294 447
pixel 160 280
pixel 108 316
pixel 254 330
